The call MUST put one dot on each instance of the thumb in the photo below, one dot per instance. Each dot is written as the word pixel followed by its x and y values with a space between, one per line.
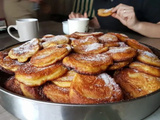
pixel 85 15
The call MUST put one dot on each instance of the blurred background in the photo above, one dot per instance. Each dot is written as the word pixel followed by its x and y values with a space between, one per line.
pixel 56 10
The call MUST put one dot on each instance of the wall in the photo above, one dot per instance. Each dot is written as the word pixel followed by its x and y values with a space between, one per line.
pixel 1 9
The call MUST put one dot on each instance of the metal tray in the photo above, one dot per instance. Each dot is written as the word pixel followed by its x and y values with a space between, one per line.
pixel 29 109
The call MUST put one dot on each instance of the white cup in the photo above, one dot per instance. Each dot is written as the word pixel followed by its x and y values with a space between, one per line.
pixel 78 25
pixel 27 29
pixel 65 27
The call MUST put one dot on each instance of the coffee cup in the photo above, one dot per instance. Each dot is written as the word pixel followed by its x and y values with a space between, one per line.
pixel 27 29
pixel 65 27
pixel 75 25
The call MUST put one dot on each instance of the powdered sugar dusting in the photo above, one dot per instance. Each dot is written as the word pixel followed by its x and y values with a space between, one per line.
pixel 96 57
pixel 107 10
pixel 149 54
pixel 93 46
pixel 109 81
pixel 118 49
pixel 26 47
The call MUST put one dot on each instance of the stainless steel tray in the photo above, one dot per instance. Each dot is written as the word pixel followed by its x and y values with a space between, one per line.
pixel 29 109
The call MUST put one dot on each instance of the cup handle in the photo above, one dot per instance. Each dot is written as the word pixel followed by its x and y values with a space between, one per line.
pixel 9 32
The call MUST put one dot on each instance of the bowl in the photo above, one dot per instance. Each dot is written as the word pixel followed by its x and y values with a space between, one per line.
pixel 29 109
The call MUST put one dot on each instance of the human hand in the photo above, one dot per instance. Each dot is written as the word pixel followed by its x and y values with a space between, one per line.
pixel 77 15
pixel 126 15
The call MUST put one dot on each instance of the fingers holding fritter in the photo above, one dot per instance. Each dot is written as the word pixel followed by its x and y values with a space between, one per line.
pixel 135 84
pixel 87 89
pixel 88 64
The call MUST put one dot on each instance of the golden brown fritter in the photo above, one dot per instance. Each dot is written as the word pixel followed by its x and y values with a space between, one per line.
pixel 122 53
pixel 135 84
pixel 89 89
pixel 50 55
pixel 88 64
pixel 148 69
pixel 23 52
pixel 34 76
pixel 56 94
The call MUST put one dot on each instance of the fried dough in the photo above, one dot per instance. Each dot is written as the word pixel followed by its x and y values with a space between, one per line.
pixel 93 48
pixel 23 52
pixel 135 83
pixel 50 55
pixel 88 64
pixel 104 12
pixel 122 53
pixel 148 69
pixel 58 39
pixel 135 44
pixel 89 89
pixel 56 94
pixel 84 40
pixel 34 76
pixel 148 58
pixel 65 80
pixel 13 85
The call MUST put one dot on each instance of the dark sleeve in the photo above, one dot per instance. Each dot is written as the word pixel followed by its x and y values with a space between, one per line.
pixel 151 11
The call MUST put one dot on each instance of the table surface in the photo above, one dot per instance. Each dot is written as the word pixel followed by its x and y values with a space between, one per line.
pixel 51 27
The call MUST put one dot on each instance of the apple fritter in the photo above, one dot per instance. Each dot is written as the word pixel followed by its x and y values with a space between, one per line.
pixel 84 40
pixel 12 84
pixel 84 34
pixel 108 37
pixel 88 64
pixel 89 89
pixel 148 69
pixel 148 58
pixel 65 80
pixel 122 53
pixel 58 39
pixel 121 37
pixel 119 65
pixel 48 56
pixel 92 48
pixel 10 64
pixel 135 44
pixel 23 52
pixel 135 84
pixel 56 93
pixel 36 76
pixel 33 92
pixel 104 12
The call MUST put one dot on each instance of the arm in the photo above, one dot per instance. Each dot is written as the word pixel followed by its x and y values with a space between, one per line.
pixel 127 16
